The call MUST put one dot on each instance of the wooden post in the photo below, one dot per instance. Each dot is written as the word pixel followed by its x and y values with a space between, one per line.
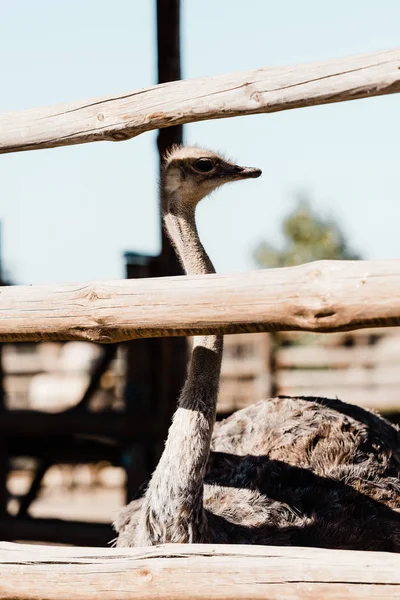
pixel 275 341
pixel 173 351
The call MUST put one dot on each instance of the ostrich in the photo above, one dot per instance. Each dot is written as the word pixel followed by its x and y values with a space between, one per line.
pixel 287 471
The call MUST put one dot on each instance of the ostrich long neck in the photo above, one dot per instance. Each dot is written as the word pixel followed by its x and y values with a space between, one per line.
pixel 174 499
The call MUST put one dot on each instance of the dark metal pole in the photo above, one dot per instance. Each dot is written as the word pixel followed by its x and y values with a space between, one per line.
pixel 174 350
pixel 169 69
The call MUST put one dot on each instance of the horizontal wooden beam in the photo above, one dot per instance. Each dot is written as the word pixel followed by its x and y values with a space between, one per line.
pixel 65 448
pixel 121 117
pixel 55 531
pixel 180 572
pixel 110 424
pixel 322 296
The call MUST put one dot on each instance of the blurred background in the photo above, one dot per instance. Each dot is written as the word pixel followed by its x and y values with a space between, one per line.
pixel 82 427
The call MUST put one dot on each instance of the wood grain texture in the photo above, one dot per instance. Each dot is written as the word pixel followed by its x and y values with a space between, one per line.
pixel 177 572
pixel 116 118
pixel 322 296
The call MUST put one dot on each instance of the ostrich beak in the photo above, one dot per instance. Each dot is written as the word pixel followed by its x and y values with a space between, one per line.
pixel 246 172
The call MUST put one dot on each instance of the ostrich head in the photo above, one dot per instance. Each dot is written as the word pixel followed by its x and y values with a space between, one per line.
pixel 191 173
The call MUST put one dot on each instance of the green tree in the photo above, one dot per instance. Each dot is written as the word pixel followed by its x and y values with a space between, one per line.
pixel 307 237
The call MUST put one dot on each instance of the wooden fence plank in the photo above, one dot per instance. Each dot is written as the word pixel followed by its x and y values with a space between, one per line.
pixel 341 378
pixel 196 571
pixel 121 117
pixel 339 358
pixel 107 423
pixel 54 531
pixel 384 399
pixel 322 296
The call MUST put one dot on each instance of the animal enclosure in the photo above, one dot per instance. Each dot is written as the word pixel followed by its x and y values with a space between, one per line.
pixel 320 297
pixel 360 367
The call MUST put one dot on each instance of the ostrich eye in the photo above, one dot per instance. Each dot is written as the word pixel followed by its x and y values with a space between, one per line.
pixel 204 165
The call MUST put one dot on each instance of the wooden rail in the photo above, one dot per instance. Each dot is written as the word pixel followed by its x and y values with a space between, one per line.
pixel 116 118
pixel 52 531
pixel 321 296
pixel 177 572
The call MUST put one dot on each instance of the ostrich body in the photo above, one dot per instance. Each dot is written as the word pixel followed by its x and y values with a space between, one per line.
pixel 289 471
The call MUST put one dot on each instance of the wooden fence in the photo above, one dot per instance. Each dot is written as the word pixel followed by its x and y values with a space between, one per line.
pixel 117 118
pixel 180 572
pixel 361 367
pixel 322 297
pixel 368 376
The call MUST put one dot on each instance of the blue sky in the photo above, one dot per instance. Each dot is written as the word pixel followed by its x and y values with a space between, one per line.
pixel 69 213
